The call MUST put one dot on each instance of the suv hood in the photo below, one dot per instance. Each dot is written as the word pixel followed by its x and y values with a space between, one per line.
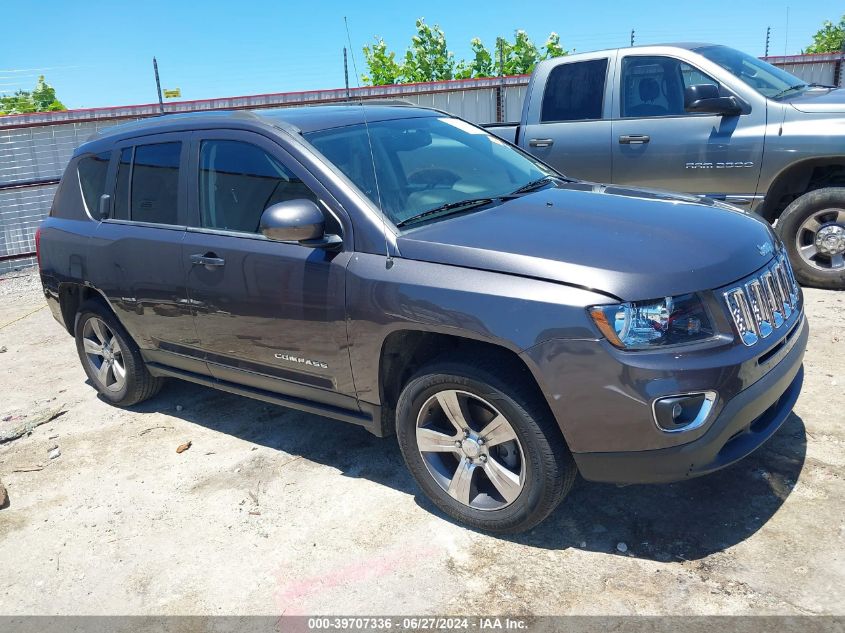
pixel 628 243
pixel 831 101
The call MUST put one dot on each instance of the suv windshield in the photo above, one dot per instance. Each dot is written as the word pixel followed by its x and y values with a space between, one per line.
pixel 766 79
pixel 427 163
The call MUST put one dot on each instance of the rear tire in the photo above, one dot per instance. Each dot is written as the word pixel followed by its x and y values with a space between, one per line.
pixel 111 358
pixel 497 460
pixel 813 230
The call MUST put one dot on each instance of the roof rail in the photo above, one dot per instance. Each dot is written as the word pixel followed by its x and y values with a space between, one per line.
pixel 381 102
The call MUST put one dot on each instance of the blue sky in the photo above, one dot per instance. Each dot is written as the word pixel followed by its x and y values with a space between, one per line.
pixel 99 53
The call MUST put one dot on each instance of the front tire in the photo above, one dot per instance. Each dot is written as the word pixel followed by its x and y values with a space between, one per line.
pixel 484 449
pixel 111 358
pixel 813 231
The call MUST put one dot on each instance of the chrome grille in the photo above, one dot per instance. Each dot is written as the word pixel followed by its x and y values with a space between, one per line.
pixel 764 303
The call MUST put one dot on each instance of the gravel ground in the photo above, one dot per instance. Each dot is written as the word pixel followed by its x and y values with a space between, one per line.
pixel 274 511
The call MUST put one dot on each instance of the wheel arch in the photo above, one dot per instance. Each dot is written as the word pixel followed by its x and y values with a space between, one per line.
pixel 799 178
pixel 404 352
pixel 72 296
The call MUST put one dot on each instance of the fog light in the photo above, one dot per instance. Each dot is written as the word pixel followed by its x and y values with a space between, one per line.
pixel 683 412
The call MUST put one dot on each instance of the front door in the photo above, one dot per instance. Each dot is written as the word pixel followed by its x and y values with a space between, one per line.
pixel 269 315
pixel 657 144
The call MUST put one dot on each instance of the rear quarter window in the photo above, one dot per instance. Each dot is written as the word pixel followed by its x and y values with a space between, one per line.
pixel 92 170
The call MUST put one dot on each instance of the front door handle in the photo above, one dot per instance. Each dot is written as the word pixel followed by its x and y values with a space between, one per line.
pixel 634 139
pixel 209 260
pixel 541 142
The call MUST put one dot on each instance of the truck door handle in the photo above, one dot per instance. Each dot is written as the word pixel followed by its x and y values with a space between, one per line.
pixel 634 139
pixel 541 142
pixel 209 260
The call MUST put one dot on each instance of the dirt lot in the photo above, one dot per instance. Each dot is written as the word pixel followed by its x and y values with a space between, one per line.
pixel 274 511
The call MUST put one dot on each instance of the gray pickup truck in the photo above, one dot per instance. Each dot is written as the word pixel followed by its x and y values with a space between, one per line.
pixel 406 271
pixel 703 119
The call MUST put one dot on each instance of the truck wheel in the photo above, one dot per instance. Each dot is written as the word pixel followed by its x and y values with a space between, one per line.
pixel 110 357
pixel 813 230
pixel 482 447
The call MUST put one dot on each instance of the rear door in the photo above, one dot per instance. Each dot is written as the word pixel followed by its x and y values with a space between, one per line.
pixel 569 127
pixel 136 253
pixel 658 144
pixel 269 315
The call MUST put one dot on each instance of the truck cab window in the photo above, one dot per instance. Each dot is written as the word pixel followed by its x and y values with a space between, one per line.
pixel 238 181
pixel 92 179
pixel 654 86
pixel 575 92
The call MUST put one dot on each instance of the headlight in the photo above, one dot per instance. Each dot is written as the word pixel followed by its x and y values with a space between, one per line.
pixel 659 322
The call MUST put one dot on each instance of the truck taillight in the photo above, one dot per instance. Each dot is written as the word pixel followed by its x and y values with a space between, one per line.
pixel 38 246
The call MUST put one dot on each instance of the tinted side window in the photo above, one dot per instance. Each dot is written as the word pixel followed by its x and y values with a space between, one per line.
pixel 92 179
pixel 238 181
pixel 575 91
pixel 654 86
pixel 155 183
pixel 121 190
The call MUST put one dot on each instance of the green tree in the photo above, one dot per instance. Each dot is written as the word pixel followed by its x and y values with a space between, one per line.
pixel 384 69
pixel 829 38
pixel 521 56
pixel 44 97
pixel 481 64
pixel 18 103
pixel 41 99
pixel 428 58
pixel 552 47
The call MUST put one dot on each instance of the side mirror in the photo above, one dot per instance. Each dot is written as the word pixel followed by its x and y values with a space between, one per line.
pixel 705 98
pixel 297 221
pixel 104 206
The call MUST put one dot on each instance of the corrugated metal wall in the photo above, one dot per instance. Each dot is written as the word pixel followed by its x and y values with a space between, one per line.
pixel 32 160
pixel 34 149
pixel 822 68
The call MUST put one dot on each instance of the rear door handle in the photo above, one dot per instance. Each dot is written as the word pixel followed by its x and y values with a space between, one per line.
pixel 209 260
pixel 541 142
pixel 634 139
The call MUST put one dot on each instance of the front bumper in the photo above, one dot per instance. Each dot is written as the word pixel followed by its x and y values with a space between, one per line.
pixel 745 422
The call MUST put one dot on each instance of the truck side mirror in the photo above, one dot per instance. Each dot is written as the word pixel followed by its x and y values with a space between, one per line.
pixel 297 221
pixel 705 99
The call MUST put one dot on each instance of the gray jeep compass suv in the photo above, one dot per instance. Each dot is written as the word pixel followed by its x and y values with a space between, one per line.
pixel 403 270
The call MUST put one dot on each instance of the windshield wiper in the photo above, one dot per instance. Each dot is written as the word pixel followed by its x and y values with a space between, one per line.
pixel 536 184
pixel 790 89
pixel 445 209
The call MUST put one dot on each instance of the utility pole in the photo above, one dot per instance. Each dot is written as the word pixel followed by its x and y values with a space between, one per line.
pixel 500 91
pixel 158 86
pixel 632 37
pixel 768 35
pixel 346 73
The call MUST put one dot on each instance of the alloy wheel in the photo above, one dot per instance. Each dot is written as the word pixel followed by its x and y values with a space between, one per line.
pixel 820 240
pixel 471 450
pixel 104 354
